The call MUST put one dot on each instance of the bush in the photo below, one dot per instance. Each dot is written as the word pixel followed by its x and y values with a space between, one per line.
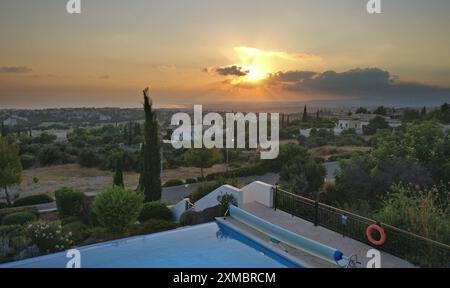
pixel 89 158
pixel 7 211
pixel 3 205
pixel 78 229
pixel 116 208
pixel 155 210
pixel 151 226
pixel 69 202
pixel 13 240
pixel 27 160
pixel 48 236
pixel 33 200
pixel 207 215
pixel 203 190
pixel 226 200
pixel 173 182
pixel 18 218
pixel 71 219
pixel 191 180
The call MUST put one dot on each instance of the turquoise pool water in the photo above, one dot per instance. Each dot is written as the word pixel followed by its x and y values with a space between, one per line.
pixel 209 245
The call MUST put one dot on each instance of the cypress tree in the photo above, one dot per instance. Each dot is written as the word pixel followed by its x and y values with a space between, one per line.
pixel 118 175
pixel 424 111
pixel 150 178
pixel 305 115
pixel 3 129
pixel 130 133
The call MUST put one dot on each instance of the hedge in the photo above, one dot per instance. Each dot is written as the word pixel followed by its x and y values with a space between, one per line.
pixel 69 202
pixel 33 200
pixel 173 182
pixel 151 226
pixel 18 218
pixel 155 210
pixel 7 211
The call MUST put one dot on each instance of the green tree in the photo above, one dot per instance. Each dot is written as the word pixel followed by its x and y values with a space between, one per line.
pixel 150 178
pixel 377 123
pixel 202 158
pixel 380 111
pixel 305 115
pixel 299 171
pixel 118 175
pixel 10 167
pixel 361 110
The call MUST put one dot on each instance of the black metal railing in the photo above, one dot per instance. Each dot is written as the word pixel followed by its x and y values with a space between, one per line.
pixel 416 249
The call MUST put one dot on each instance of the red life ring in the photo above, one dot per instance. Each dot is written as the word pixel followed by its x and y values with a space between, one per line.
pixel 375 227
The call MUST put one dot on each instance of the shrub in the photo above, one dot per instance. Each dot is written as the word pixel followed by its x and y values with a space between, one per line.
pixel 27 160
pixel 12 241
pixel 71 219
pixel 7 211
pixel 48 236
pixel 203 190
pixel 78 229
pixel 69 202
pixel 226 200
pixel 155 210
pixel 33 200
pixel 116 208
pixel 18 218
pixel 173 182
pixel 191 180
pixel 207 215
pixel 151 226
pixel 3 205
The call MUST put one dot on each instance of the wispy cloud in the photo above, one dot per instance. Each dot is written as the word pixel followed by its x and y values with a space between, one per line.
pixel 254 52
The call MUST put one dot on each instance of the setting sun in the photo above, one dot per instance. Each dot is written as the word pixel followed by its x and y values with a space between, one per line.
pixel 254 74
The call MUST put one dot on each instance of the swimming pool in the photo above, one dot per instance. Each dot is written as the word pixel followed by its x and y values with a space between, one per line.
pixel 211 245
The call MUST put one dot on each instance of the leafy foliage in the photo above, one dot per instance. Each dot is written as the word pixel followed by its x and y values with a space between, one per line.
pixel 116 208
pixel 203 158
pixel 33 200
pixel 155 210
pixel 69 202
pixel 10 166
pixel 48 236
pixel 18 218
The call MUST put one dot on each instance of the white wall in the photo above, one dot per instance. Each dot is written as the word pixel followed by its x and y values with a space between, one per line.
pixel 258 192
pixel 178 209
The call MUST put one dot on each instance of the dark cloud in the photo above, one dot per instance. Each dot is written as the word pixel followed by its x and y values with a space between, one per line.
pixel 15 69
pixel 292 76
pixel 366 83
pixel 233 70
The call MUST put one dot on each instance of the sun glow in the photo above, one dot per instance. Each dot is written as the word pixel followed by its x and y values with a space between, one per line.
pixel 254 74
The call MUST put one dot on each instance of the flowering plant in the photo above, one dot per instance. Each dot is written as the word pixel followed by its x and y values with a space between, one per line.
pixel 49 236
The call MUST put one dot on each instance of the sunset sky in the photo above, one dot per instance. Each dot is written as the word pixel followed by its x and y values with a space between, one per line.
pixel 204 51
